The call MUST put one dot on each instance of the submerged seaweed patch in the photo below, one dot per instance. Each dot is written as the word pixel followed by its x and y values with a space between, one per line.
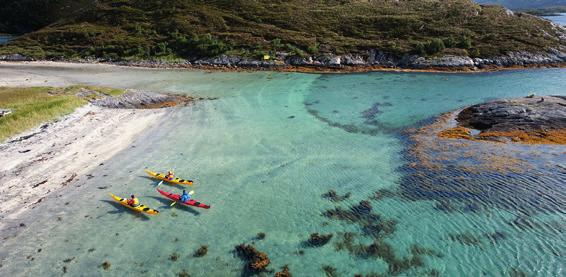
pixel 382 194
pixel 330 271
pixel 106 265
pixel 201 251
pixel 471 177
pixel 284 272
pixel 333 196
pixel 385 251
pixel 372 224
pixel 466 239
pixel 256 261
pixel 174 256
pixel 317 240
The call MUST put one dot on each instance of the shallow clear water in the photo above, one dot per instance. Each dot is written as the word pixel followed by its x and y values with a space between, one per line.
pixel 558 19
pixel 262 155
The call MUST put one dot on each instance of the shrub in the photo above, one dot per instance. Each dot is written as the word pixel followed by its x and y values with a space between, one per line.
pixel 434 46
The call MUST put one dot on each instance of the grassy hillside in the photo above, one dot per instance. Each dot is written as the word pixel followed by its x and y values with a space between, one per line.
pixel 143 29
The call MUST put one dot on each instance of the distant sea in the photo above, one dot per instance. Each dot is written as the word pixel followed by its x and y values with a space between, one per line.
pixel 558 19
pixel 4 38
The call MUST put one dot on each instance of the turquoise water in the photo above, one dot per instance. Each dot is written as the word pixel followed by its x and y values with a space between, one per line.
pixel 5 38
pixel 558 19
pixel 264 153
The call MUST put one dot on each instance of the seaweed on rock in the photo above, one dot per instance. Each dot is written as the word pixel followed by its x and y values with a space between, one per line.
pixel 256 261
pixel 284 272
pixel 201 252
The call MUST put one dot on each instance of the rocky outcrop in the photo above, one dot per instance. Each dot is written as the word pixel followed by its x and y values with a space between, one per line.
pixel 15 58
pixel 525 120
pixel 133 99
pixel 527 114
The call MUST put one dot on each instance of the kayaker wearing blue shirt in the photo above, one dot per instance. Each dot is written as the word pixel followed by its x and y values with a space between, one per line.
pixel 185 196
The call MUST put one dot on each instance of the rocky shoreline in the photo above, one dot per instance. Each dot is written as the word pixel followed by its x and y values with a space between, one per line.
pixel 373 60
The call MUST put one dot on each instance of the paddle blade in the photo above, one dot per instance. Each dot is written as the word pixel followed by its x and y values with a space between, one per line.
pixel 172 204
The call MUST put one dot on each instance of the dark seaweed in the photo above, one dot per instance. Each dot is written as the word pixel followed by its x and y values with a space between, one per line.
pixel 174 256
pixel 201 252
pixel 260 236
pixel 317 240
pixel 466 239
pixel 106 265
pixel 329 271
pixel 256 261
pixel 333 196
pixel 284 272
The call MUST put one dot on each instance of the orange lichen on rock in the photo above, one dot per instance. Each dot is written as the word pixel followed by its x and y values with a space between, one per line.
pixel 533 137
pixel 456 132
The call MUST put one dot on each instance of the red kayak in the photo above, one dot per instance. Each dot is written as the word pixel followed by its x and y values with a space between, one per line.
pixel 177 197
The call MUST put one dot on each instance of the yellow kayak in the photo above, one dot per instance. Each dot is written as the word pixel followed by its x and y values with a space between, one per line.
pixel 161 176
pixel 140 208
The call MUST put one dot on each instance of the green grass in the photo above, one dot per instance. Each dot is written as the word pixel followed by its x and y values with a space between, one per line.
pixel 34 106
pixel 154 29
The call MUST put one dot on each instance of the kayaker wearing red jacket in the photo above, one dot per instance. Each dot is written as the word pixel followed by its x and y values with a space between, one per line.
pixel 134 202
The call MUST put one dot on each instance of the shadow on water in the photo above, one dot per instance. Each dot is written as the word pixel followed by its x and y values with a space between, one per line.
pixel 167 204
pixel 121 209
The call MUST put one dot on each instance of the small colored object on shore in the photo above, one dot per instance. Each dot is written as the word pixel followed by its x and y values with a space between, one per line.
pixel 140 208
pixel 177 198
pixel 163 177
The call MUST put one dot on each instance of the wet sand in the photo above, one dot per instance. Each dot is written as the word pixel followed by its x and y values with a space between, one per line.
pixel 56 156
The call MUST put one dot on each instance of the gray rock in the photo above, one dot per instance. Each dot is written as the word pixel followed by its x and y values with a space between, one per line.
pixel 15 58
pixel 526 114
pixel 353 60
pixel 4 112
pixel 134 99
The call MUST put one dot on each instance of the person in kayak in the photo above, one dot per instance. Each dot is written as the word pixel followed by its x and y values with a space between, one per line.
pixel 170 176
pixel 134 202
pixel 185 196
